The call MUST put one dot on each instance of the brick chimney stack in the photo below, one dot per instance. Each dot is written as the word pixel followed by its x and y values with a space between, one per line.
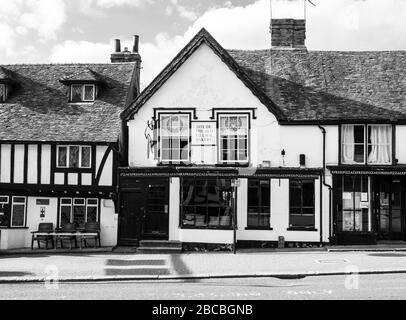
pixel 288 33
pixel 129 56
pixel 126 55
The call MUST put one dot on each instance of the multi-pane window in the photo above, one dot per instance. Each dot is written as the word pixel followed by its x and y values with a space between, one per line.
pixel 18 209
pixel 302 204
pixel 233 138
pixel 353 209
pixel 206 203
pixel 370 144
pixel 259 203
pixel 74 157
pixel 4 211
pixel 175 138
pixel 78 211
pixel 3 92
pixel 83 93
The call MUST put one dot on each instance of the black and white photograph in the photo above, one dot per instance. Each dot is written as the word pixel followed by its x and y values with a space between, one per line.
pixel 202 156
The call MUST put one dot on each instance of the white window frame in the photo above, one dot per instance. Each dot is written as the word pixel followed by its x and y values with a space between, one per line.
pixel 12 211
pixel 68 157
pixel 161 159
pixel 366 145
pixel 93 206
pixel 65 205
pixel 220 150
pixel 5 92
pixel 8 199
pixel 72 204
pixel 83 92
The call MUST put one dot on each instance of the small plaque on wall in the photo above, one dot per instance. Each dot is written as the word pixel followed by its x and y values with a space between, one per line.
pixel 43 202
pixel 204 133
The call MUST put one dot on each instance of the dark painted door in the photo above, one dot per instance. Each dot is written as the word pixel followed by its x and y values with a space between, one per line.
pixel 144 212
pixel 156 215
pixel 129 226
pixel 390 208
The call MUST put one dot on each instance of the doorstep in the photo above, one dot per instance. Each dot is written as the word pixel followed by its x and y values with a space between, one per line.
pixel 53 252
pixel 368 248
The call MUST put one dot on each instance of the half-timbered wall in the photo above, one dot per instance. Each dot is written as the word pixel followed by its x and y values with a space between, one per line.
pixel 36 164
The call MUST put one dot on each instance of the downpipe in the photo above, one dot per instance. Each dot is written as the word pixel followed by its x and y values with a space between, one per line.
pixel 330 189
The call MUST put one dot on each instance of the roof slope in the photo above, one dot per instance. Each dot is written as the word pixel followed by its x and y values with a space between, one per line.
pixel 202 37
pixel 330 86
pixel 38 108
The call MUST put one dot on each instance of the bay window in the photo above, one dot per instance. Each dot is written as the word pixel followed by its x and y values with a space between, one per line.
pixel 206 203
pixel 233 138
pixel 175 138
pixel 259 203
pixel 366 144
pixel 74 157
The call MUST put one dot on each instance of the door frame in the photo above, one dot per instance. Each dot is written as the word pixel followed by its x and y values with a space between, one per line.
pixel 164 236
pixel 136 185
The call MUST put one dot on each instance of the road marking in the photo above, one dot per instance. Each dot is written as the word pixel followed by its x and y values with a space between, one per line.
pixel 333 261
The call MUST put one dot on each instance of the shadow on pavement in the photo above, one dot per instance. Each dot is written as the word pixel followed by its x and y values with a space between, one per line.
pixel 15 274
pixel 388 255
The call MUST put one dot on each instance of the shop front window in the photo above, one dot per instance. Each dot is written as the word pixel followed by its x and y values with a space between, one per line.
pixel 206 203
pixel 353 213
pixel 302 204
pixel 259 203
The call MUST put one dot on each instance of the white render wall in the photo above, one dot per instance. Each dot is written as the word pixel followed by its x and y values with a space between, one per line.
pixel 21 238
pixel 204 82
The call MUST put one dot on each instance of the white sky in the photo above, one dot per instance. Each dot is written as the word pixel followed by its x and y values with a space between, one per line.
pixel 42 31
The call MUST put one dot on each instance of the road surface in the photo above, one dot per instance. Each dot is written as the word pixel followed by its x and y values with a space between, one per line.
pixel 392 286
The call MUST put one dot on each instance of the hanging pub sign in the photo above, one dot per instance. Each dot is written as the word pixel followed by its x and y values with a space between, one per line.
pixel 204 133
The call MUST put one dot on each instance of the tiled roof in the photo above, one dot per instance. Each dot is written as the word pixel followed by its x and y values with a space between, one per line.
pixel 5 76
pixel 38 108
pixel 83 75
pixel 330 86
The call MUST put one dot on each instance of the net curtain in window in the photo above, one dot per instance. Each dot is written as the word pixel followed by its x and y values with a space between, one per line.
pixel 348 144
pixel 380 144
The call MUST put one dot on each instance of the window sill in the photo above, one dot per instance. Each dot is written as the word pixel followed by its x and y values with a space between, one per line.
pixel 259 228
pixel 206 228
pixel 302 229
pixel 14 228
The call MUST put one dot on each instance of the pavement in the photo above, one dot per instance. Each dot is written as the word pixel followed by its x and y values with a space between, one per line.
pixel 101 267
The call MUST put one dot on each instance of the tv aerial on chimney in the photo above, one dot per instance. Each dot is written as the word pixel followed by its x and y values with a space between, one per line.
pixel 294 6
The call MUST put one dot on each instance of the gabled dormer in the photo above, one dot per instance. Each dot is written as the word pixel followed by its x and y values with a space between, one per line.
pixel 7 83
pixel 83 87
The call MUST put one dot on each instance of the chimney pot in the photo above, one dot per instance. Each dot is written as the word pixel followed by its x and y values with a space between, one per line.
pixel 118 46
pixel 136 43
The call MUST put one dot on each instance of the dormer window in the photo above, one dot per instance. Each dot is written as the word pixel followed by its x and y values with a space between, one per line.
pixel 82 93
pixel 3 92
